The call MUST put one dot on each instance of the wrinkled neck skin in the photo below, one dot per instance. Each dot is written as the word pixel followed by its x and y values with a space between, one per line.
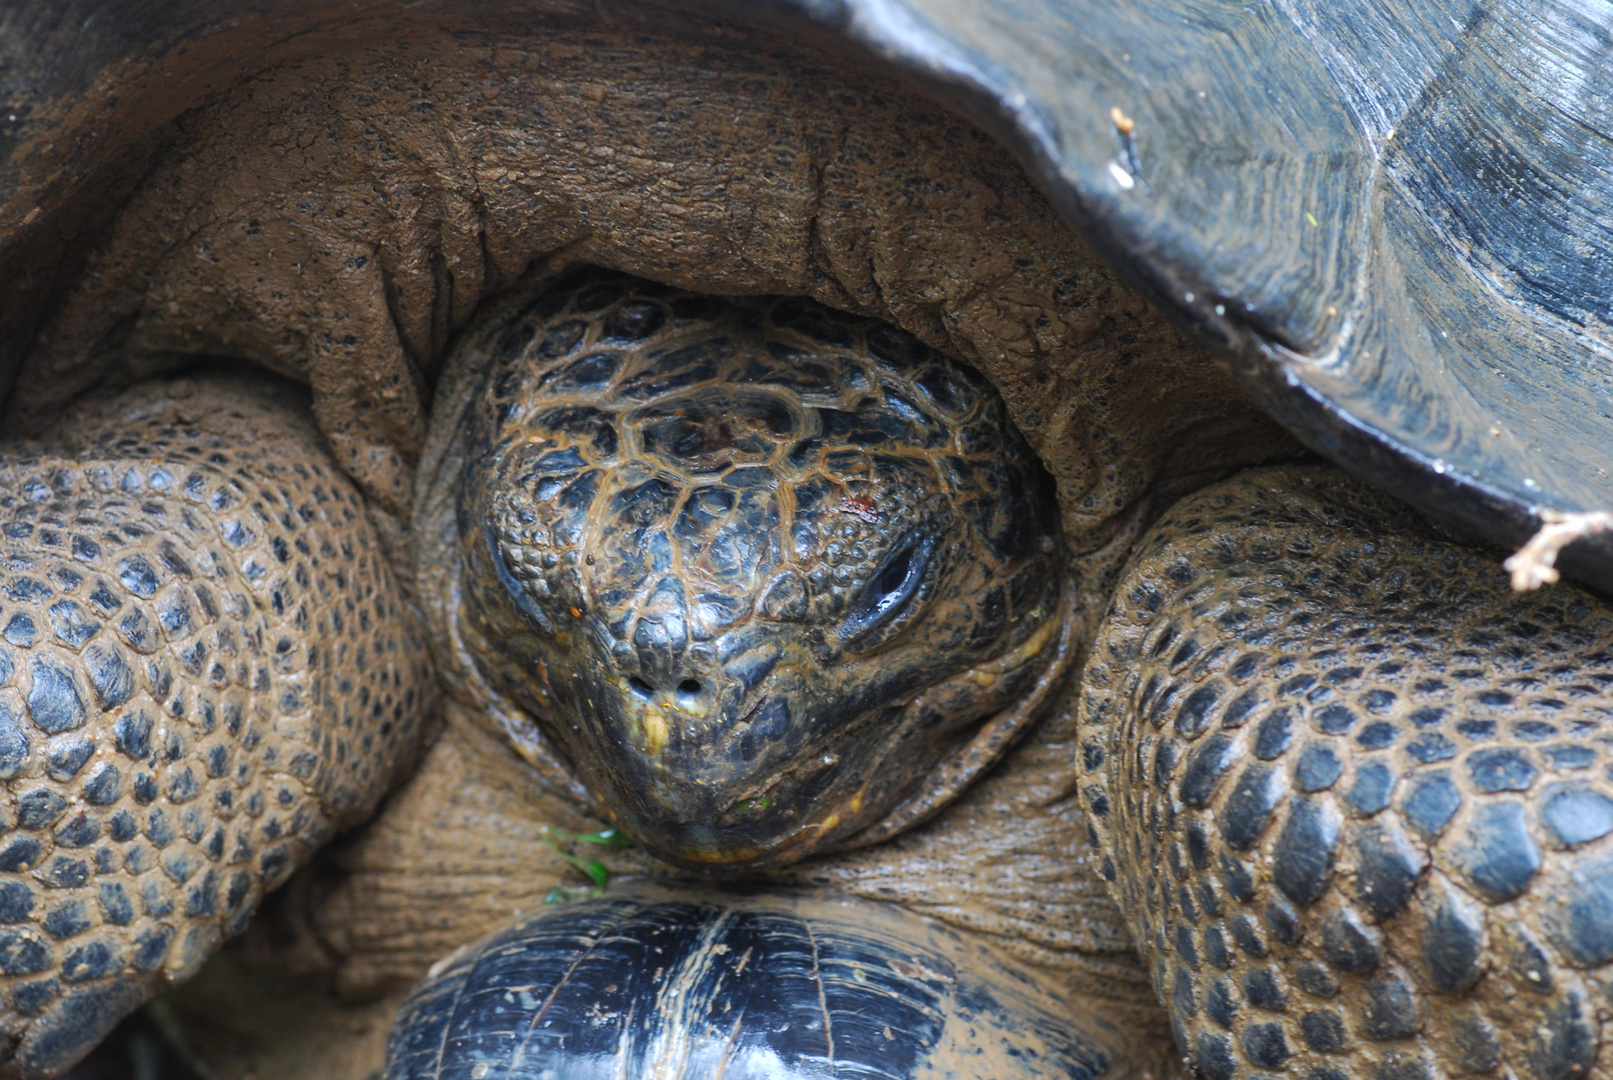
pixel 761 574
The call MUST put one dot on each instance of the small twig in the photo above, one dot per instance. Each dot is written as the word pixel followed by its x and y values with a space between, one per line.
pixel 1535 564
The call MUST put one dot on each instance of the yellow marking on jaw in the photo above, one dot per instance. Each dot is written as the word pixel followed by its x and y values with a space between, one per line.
pixel 655 729
pixel 833 818
pixel 652 720
pixel 652 727
pixel 696 708
pixel 987 674
pixel 719 855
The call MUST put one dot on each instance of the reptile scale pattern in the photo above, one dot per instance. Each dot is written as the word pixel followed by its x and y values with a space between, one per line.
pixel 763 571
pixel 206 669
pixel 1357 795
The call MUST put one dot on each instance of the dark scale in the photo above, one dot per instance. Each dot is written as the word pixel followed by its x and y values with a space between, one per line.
pixel 759 569
pixel 1417 845
pixel 106 696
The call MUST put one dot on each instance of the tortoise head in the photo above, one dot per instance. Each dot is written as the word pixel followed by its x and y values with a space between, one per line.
pixel 756 568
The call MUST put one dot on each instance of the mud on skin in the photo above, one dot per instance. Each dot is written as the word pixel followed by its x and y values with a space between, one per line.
pixel 354 205
pixel 1351 792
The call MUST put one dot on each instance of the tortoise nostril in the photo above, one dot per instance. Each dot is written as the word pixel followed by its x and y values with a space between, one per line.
pixel 640 687
pixel 689 686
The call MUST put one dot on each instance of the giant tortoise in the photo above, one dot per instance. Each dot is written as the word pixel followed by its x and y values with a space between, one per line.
pixel 856 538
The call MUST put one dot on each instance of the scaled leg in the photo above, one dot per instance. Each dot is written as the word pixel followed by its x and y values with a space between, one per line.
pixel 206 668
pixel 1355 791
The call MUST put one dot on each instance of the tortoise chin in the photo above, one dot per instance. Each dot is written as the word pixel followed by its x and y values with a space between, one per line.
pixel 756 568
pixel 723 777
pixel 780 753
pixel 762 746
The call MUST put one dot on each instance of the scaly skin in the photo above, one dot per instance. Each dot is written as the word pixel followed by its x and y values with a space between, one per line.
pixel 1355 791
pixel 1349 790
pixel 206 669
pixel 1433 902
pixel 758 570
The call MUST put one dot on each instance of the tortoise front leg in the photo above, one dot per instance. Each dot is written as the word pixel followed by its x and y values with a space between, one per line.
pixel 206 668
pixel 1355 792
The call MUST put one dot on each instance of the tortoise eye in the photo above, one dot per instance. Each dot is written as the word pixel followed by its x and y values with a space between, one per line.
pixel 895 573
pixel 890 590
pixel 523 600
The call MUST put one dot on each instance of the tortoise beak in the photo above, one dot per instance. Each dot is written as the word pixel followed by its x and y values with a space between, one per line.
pixel 705 768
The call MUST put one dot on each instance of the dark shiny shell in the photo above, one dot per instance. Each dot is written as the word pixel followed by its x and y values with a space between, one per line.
pixel 707 987
pixel 1398 218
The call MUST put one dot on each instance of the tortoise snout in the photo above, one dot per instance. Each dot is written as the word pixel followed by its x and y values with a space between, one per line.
pixel 689 690
pixel 661 636
pixel 690 761
pixel 696 722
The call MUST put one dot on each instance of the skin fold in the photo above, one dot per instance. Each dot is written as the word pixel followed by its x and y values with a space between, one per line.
pixel 1348 846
